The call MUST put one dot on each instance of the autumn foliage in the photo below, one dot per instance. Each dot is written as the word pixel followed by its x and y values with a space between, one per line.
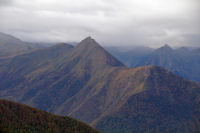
pixel 18 118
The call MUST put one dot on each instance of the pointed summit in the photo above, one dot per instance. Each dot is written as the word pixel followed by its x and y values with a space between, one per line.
pixel 88 39
pixel 88 45
pixel 165 49
pixel 88 42
pixel 90 50
pixel 166 46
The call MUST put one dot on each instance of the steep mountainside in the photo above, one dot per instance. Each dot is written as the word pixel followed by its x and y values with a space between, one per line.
pixel 130 56
pixel 10 46
pixel 182 61
pixel 167 104
pixel 48 80
pixel 20 118
pixel 89 84
pixel 164 56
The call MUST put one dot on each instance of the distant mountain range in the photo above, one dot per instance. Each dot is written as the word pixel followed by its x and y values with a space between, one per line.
pixel 181 61
pixel 19 118
pixel 88 83
pixel 11 46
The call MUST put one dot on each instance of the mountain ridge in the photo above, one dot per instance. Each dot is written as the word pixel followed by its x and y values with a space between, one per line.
pixel 181 61
pixel 11 46
pixel 89 84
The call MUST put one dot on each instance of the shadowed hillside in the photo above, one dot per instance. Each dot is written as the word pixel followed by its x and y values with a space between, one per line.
pixel 89 84
pixel 20 118
pixel 167 104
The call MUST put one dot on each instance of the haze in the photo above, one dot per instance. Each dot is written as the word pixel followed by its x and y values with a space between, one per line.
pixel 111 22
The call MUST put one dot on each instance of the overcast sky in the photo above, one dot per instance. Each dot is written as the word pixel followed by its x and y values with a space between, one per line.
pixel 111 22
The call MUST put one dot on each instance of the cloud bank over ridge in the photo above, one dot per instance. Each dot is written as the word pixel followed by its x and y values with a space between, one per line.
pixel 114 22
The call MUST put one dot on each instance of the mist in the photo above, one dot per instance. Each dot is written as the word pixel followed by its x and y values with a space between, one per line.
pixel 151 23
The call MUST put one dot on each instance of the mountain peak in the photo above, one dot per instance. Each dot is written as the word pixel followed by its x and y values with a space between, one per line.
pixel 165 48
pixel 89 49
pixel 88 38
pixel 88 42
pixel 167 45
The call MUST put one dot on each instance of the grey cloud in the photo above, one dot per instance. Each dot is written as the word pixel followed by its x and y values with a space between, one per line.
pixel 5 2
pixel 193 39
pixel 114 22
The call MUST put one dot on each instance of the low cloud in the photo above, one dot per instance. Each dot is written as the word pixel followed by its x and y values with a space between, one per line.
pixel 6 2
pixel 115 22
